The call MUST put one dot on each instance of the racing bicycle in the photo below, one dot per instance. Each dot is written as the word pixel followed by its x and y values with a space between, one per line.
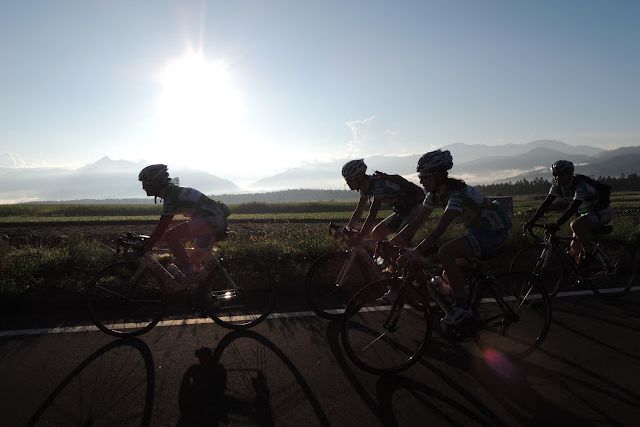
pixel 613 270
pixel 129 297
pixel 384 335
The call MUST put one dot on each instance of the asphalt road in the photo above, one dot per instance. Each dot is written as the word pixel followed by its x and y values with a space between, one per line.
pixel 292 371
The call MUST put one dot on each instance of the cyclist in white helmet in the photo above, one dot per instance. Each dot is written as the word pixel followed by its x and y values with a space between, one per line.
pixel 487 224
pixel 589 199
pixel 208 218
pixel 381 189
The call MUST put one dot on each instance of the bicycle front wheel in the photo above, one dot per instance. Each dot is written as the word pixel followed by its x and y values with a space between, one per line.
pixel 331 282
pixel 551 273
pixel 123 305
pixel 240 293
pixel 384 335
pixel 613 270
pixel 513 314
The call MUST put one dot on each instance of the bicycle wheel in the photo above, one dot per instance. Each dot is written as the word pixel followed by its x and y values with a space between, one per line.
pixel 513 314
pixel 613 269
pixel 240 293
pixel 381 337
pixel 552 274
pixel 123 306
pixel 330 284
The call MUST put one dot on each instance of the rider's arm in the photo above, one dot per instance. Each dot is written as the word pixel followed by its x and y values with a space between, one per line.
pixel 158 232
pixel 413 226
pixel 542 208
pixel 446 219
pixel 371 217
pixel 357 214
pixel 573 209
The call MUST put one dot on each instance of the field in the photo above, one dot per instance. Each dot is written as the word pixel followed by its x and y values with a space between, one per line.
pixel 51 251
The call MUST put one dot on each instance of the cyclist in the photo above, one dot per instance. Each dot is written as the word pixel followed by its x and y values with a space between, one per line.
pixel 589 200
pixel 487 224
pixel 208 218
pixel 381 189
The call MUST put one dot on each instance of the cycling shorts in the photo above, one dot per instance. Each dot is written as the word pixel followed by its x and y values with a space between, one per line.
pixel 600 217
pixel 485 241
pixel 396 221
pixel 206 229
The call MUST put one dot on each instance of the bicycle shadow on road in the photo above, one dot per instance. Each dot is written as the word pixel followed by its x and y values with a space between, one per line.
pixel 114 385
pixel 476 413
pixel 533 393
pixel 249 377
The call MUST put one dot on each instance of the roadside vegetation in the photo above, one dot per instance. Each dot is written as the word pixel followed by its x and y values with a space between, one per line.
pixel 60 267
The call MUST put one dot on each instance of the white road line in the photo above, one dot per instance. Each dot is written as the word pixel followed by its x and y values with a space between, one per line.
pixel 199 321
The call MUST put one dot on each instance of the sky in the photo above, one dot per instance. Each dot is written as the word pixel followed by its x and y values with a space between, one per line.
pixel 246 89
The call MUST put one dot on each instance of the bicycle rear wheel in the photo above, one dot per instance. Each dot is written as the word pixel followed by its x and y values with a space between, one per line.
pixel 514 314
pixel 240 293
pixel 330 284
pixel 613 270
pixel 552 274
pixel 122 305
pixel 381 337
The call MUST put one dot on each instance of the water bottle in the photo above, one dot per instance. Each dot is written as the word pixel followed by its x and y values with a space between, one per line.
pixel 443 287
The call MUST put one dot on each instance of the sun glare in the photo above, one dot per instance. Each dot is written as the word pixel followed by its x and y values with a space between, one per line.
pixel 198 103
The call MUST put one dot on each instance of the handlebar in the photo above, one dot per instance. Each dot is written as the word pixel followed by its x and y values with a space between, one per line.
pixel 131 242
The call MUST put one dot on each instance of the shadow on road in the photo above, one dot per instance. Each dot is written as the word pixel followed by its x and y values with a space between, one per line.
pixel 113 386
pixel 249 377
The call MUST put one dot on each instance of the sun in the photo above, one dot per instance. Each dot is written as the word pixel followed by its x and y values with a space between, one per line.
pixel 198 104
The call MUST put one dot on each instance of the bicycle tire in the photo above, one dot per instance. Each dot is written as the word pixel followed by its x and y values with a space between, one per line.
pixel 613 270
pixel 376 348
pixel 554 276
pixel 325 296
pixel 122 308
pixel 498 330
pixel 239 293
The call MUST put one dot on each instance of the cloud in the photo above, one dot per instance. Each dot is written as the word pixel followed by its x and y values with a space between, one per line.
pixel 370 136
pixel 11 160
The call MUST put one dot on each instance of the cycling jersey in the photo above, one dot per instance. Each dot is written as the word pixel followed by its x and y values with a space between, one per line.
pixel 584 189
pixel 395 191
pixel 477 211
pixel 190 202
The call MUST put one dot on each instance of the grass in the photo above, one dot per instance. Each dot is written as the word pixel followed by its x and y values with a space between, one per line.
pixel 63 268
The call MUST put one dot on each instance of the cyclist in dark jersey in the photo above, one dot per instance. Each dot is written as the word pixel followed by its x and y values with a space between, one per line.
pixel 487 225
pixel 381 189
pixel 208 218
pixel 588 199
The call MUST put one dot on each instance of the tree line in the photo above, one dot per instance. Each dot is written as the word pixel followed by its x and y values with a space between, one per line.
pixel 541 185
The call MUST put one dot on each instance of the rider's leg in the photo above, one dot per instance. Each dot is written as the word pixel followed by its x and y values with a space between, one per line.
pixel 385 227
pixel 581 228
pixel 205 230
pixel 448 253
pixel 174 238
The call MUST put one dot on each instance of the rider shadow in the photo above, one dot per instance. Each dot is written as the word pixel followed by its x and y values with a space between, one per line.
pixel 203 400
pixel 212 393
pixel 109 378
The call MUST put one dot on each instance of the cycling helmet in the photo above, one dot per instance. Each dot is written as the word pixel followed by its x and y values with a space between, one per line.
pixel 354 168
pixel 154 173
pixel 561 166
pixel 435 161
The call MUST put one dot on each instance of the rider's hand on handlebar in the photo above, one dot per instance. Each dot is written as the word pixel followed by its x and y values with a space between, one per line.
pixel 528 226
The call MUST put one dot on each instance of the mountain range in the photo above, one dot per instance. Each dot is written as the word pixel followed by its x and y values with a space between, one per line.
pixel 476 163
